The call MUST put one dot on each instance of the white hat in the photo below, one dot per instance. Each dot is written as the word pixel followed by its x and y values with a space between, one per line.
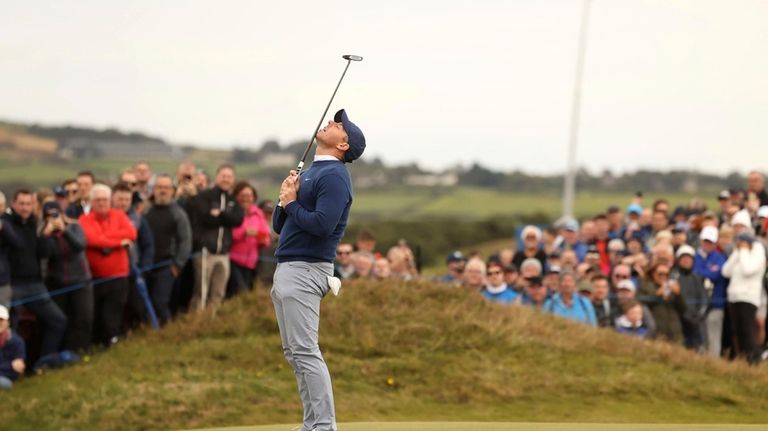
pixel 530 229
pixel 762 212
pixel 626 284
pixel 616 244
pixel 742 217
pixel 3 313
pixel 685 249
pixel 709 233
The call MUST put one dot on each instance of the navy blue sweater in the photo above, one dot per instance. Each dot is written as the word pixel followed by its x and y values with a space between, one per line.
pixel 311 227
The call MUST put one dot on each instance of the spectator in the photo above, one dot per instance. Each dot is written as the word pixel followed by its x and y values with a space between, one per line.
pixel 606 308
pixel 365 242
pixel 692 289
pixel 61 198
pixel 145 179
pixel 659 223
pixel 535 294
pixel 363 262
pixel 531 236
pixel 401 262
pixel 633 226
pixel 71 187
pixel 247 240
pixel 214 213
pixel 381 269
pixel 82 205
pixel 12 352
pixel 474 275
pixel 567 304
pixel 664 299
pixel 571 241
pixel 496 289
pixel 625 295
pixel 616 251
pixel 631 321
pixel 267 261
pixel 552 279
pixel 141 252
pixel 530 268
pixel 109 234
pixel 620 272
pixel 511 276
pixel 756 185
pixel 746 268
pixel 343 267
pixel 201 180
pixel 68 268
pixel 569 260
pixel 601 242
pixel 708 264
pixel 548 238
pixel 615 222
pixel 588 232
pixel 28 250
pixel 185 187
pixel 172 237
pixel 505 256
pixel 725 240
pixel 724 203
pixel 8 240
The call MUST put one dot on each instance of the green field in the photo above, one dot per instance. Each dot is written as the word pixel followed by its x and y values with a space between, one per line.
pixel 397 353
pixel 502 426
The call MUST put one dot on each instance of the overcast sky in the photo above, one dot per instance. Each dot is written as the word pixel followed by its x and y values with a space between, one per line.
pixel 667 84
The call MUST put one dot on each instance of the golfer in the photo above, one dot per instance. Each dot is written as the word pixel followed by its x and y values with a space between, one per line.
pixel 311 219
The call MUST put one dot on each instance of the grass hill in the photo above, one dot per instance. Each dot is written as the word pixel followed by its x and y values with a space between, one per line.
pixel 410 352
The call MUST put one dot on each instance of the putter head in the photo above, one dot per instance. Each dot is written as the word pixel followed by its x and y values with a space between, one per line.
pixel 352 57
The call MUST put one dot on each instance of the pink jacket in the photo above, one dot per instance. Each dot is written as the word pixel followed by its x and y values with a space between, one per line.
pixel 245 249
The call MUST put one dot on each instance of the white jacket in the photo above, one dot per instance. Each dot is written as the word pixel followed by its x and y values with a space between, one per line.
pixel 746 269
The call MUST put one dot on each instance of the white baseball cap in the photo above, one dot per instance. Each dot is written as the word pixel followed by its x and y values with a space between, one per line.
pixel 762 212
pixel 741 218
pixel 3 313
pixel 685 249
pixel 626 284
pixel 709 233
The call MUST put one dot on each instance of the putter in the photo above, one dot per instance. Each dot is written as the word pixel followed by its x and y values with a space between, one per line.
pixel 350 59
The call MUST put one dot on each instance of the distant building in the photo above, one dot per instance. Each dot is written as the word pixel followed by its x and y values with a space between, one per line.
pixel 87 148
pixel 433 180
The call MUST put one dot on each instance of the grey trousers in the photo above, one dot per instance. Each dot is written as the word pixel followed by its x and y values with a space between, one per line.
pixel 216 276
pixel 297 291
pixel 714 333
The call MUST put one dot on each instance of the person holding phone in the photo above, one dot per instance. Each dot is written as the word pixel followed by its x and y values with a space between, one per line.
pixel 68 267
pixel 661 293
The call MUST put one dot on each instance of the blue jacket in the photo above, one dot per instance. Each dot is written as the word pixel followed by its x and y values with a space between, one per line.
pixel 710 267
pixel 311 227
pixel 507 296
pixel 580 310
pixel 13 349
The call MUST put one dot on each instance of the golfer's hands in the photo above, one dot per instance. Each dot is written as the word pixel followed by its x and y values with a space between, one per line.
pixel 289 189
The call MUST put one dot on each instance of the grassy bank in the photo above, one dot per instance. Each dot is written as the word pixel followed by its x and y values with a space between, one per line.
pixel 396 353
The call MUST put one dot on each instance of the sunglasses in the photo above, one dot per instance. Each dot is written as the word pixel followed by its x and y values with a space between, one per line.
pixel 662 274
pixel 493 272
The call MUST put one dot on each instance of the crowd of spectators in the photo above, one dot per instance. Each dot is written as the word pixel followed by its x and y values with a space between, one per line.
pixel 689 275
pixel 83 264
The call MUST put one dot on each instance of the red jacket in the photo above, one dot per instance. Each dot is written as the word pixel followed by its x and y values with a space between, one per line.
pixel 103 234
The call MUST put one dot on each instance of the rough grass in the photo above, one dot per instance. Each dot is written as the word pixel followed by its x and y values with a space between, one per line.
pixel 415 352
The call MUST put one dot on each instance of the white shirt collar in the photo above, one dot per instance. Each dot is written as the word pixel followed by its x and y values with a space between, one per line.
pixel 325 158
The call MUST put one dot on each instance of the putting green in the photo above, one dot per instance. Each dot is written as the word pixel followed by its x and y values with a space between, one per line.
pixel 504 426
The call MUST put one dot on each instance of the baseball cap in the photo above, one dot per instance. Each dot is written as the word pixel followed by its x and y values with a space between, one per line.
pixel 709 233
pixel 634 209
pixel 535 281
pixel 742 218
pixel 723 195
pixel 685 249
pixel 60 192
pixel 762 212
pixel 456 256
pixel 3 313
pixel 553 269
pixel 572 226
pixel 616 244
pixel 355 137
pixel 626 284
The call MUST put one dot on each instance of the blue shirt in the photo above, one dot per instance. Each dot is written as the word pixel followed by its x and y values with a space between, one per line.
pixel 507 296
pixel 710 267
pixel 580 310
pixel 13 349
pixel 311 227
